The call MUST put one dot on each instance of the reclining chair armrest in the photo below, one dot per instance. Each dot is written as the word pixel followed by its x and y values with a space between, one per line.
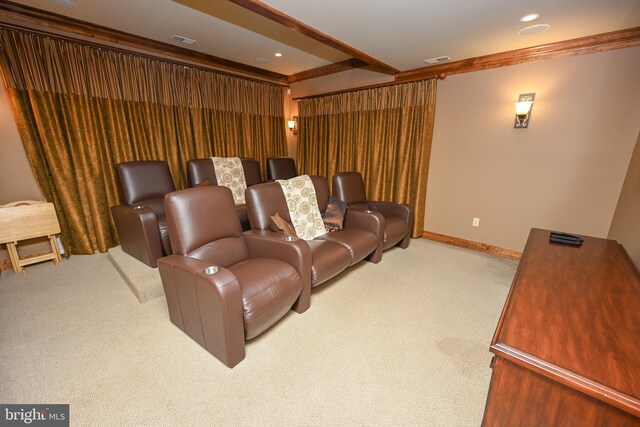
pixel 267 244
pixel 373 222
pixel 402 210
pixel 207 307
pixel 138 232
pixel 264 233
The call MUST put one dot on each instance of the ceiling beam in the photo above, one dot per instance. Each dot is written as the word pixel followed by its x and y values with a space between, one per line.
pixel 337 67
pixel 580 46
pixel 275 15
pixel 14 12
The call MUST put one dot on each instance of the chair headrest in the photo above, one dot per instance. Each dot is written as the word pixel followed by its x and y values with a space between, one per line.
pixel 142 180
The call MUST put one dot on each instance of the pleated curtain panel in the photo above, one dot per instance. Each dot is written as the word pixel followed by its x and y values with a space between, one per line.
pixel 384 133
pixel 80 110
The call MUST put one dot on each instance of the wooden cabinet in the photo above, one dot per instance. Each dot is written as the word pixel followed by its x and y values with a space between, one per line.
pixel 567 346
pixel 27 220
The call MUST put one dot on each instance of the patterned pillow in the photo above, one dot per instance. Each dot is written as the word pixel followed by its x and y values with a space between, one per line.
pixel 205 183
pixel 279 225
pixel 333 217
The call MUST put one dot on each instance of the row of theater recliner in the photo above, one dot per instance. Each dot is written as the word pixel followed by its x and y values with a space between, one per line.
pixel 226 283
pixel 140 218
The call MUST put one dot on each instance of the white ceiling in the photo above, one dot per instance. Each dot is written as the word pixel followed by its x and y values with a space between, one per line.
pixel 403 33
pixel 400 33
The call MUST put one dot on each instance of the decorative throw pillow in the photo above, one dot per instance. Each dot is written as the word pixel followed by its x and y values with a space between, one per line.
pixel 279 225
pixel 205 183
pixel 333 217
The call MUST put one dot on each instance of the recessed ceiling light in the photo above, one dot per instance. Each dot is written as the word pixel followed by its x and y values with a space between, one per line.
pixel 63 3
pixel 530 17
pixel 534 29
pixel 278 54
pixel 261 60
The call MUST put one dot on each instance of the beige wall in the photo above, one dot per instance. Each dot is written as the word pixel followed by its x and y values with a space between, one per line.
pixel 16 179
pixel 564 172
pixel 625 227
pixel 339 81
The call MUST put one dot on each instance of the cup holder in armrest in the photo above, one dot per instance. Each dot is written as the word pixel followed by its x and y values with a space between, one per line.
pixel 212 269
pixel 290 238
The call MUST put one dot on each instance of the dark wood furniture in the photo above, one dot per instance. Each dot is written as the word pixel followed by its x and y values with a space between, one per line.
pixel 567 346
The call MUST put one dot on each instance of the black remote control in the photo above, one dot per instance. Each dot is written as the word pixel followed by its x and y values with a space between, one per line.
pixel 565 241
pixel 565 236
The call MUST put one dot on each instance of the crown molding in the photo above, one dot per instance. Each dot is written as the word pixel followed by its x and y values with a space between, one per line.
pixel 13 12
pixel 580 46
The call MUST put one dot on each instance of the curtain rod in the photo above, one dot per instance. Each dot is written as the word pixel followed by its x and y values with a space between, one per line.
pixel 97 45
pixel 440 76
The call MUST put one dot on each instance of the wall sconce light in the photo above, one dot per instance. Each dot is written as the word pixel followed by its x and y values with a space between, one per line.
pixel 293 125
pixel 523 110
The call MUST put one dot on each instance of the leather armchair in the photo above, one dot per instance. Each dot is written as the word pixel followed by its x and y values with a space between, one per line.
pixel 331 253
pixel 398 217
pixel 140 218
pixel 200 169
pixel 281 168
pixel 258 280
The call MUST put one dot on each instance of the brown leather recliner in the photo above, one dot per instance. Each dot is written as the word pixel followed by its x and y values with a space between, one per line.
pixel 140 219
pixel 200 169
pixel 331 253
pixel 258 281
pixel 281 168
pixel 398 217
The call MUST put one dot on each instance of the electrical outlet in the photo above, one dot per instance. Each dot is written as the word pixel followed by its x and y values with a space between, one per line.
pixel 476 222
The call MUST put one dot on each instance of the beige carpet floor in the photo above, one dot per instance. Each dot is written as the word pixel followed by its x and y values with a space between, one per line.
pixel 404 342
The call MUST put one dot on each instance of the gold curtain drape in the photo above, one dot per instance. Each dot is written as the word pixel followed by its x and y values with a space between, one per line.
pixel 384 133
pixel 80 110
pixel 235 117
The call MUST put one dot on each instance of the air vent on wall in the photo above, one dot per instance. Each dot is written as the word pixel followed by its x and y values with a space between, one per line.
pixel 182 39
pixel 438 60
